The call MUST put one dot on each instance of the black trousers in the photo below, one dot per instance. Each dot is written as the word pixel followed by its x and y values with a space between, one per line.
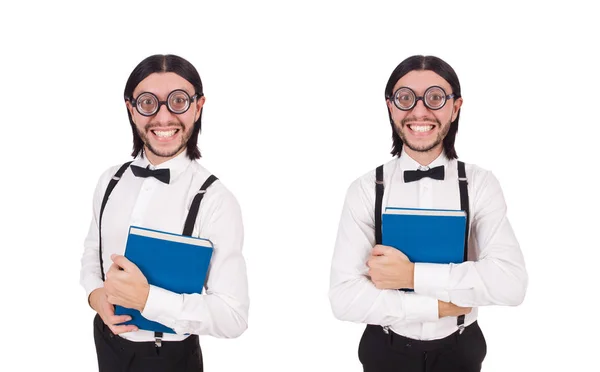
pixel 116 354
pixel 381 352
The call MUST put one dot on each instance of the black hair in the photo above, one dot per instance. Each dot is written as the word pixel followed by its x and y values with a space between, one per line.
pixel 441 68
pixel 165 63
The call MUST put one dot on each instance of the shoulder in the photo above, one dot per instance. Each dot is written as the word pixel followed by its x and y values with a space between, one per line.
pixel 108 174
pixel 363 187
pixel 481 180
pixel 217 194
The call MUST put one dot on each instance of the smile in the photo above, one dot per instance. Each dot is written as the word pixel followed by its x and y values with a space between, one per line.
pixel 420 128
pixel 165 133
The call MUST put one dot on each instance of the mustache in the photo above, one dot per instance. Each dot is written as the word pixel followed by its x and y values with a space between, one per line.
pixel 411 119
pixel 154 125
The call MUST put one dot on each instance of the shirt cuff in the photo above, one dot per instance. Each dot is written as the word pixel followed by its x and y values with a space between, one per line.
pixel 163 306
pixel 431 280
pixel 420 309
pixel 90 285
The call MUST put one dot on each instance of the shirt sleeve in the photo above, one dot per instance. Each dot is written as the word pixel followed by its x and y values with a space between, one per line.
pixel 498 276
pixel 222 310
pixel 90 273
pixel 352 295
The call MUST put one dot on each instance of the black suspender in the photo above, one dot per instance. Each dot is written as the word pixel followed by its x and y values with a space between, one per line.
pixel 187 229
pixel 195 206
pixel 109 189
pixel 464 205
pixel 378 202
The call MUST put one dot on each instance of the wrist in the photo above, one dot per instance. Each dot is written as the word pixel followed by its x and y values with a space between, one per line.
pixel 93 297
pixel 144 297
pixel 442 306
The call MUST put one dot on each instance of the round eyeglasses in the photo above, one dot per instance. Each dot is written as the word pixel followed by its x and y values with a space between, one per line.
pixel 178 102
pixel 434 98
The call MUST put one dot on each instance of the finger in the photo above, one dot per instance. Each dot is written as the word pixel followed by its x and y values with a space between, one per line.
pixel 123 262
pixel 376 261
pixel 122 328
pixel 113 269
pixel 118 319
pixel 381 250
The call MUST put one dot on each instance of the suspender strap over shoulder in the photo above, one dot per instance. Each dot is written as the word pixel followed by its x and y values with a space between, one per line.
pixel 195 206
pixel 109 189
pixel 378 202
pixel 464 205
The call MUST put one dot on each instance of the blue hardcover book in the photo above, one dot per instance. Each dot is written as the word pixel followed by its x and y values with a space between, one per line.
pixel 425 235
pixel 174 262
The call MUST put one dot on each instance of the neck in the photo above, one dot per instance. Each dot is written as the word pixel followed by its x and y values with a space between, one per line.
pixel 424 157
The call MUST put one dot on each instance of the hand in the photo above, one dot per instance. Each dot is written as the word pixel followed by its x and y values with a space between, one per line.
pixel 390 269
pixel 450 309
pixel 99 303
pixel 125 284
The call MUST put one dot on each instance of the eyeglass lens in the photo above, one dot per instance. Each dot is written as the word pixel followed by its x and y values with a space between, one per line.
pixel 177 102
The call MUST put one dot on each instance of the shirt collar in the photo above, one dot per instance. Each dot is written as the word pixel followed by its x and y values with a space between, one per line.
pixel 176 166
pixel 408 163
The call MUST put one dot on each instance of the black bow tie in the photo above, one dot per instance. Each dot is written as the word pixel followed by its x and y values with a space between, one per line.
pixel 436 173
pixel 160 174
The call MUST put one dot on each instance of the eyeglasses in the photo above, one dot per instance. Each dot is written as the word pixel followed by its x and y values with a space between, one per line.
pixel 178 102
pixel 434 98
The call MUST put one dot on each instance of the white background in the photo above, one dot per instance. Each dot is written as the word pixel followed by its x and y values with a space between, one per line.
pixel 294 113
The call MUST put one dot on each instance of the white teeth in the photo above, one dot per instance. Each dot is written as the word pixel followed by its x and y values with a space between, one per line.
pixel 168 133
pixel 421 128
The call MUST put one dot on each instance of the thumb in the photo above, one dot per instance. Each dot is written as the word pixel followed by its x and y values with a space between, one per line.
pixel 123 262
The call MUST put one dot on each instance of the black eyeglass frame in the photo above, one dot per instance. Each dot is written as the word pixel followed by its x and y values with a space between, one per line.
pixel 134 102
pixel 394 98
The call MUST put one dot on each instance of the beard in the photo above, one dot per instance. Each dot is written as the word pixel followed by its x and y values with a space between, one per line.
pixel 443 131
pixel 167 153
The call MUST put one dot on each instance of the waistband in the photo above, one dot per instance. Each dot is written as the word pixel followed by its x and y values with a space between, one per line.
pixel 174 348
pixel 406 344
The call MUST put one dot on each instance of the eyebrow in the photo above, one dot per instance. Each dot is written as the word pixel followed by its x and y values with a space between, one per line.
pixel 159 97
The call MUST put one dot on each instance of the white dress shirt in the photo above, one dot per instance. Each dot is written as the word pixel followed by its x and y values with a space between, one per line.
pixel 494 275
pixel 222 310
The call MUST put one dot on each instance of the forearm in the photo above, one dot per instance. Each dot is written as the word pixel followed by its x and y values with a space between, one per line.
pixel 215 314
pixel 489 281
pixel 358 300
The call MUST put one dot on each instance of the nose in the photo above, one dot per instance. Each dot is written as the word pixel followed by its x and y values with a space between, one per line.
pixel 420 109
pixel 163 115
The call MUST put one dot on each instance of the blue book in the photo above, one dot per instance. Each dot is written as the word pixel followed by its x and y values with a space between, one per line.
pixel 425 235
pixel 174 262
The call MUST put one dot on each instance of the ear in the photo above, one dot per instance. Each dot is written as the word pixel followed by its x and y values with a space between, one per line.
pixel 199 103
pixel 457 104
pixel 389 104
pixel 130 109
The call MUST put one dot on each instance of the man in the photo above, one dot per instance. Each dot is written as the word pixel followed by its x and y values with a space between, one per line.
pixel 431 324
pixel 158 190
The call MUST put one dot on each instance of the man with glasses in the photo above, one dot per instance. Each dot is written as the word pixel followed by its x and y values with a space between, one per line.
pixel 164 188
pixel 422 316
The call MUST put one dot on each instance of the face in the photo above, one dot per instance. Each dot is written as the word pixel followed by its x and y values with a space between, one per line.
pixel 420 128
pixel 165 134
